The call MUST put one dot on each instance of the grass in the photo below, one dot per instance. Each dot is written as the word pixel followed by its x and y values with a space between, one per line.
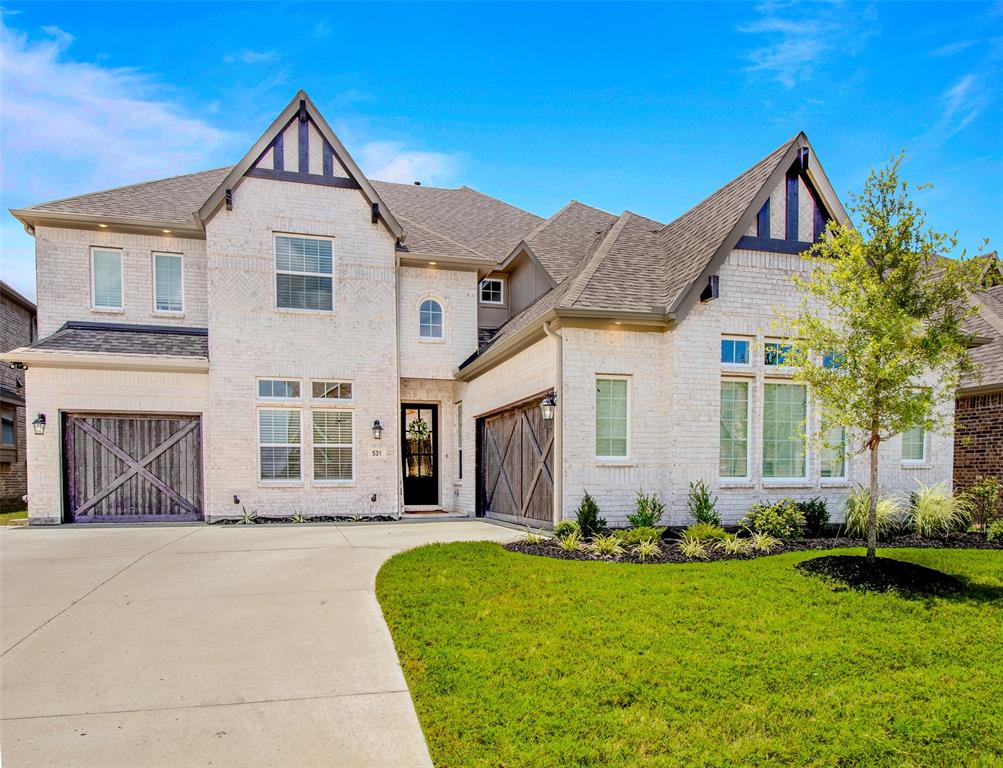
pixel 7 517
pixel 515 660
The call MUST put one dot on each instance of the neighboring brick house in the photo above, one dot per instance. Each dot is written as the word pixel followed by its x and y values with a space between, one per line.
pixel 17 329
pixel 286 336
pixel 978 439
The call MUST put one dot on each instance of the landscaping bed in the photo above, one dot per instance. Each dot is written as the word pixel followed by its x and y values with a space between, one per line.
pixel 881 575
pixel 268 519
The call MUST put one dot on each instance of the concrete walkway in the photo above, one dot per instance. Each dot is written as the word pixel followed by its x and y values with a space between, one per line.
pixel 206 646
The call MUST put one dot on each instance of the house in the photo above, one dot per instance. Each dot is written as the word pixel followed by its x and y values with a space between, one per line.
pixel 17 329
pixel 978 444
pixel 290 337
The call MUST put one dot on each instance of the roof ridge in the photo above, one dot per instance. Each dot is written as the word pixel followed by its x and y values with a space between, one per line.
pixel 128 186
pixel 543 224
pixel 499 200
pixel 591 264
pixel 447 238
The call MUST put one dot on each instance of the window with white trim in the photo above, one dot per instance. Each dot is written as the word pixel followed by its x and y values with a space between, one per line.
pixel 279 444
pixel 735 351
pixel 492 291
pixel 914 444
pixel 278 389
pixel 168 290
pixel 430 319
pixel 106 278
pixel 304 273
pixel 611 417
pixel 333 446
pixel 734 449
pixel 775 353
pixel 834 455
pixel 785 409
pixel 340 391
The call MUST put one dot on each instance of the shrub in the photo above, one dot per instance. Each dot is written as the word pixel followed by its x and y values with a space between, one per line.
pixel 589 522
pixel 984 496
pixel 816 515
pixel 763 542
pixel 783 519
pixel 889 513
pixel 247 518
pixel 995 531
pixel 531 537
pixel 649 511
pixel 608 546
pixel 566 527
pixel 936 513
pixel 694 549
pixel 705 532
pixel 732 545
pixel 702 506
pixel 645 550
pixel 630 536
pixel 571 542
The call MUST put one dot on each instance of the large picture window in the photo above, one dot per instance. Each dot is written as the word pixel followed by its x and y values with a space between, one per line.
pixel 106 278
pixel 785 409
pixel 333 451
pixel 611 417
pixel 167 283
pixel 304 268
pixel 734 429
pixel 279 438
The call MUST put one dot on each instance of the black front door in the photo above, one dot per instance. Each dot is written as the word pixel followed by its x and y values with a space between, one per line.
pixel 419 452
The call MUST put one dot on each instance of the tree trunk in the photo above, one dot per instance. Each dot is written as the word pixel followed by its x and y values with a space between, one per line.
pixel 872 504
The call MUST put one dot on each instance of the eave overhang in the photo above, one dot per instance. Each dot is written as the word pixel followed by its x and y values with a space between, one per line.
pixel 106 361
pixel 31 219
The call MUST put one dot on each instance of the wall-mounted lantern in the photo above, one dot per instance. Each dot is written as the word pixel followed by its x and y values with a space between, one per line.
pixel 547 407
pixel 39 424
pixel 377 430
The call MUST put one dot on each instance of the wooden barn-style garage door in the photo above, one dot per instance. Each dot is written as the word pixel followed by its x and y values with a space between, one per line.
pixel 132 468
pixel 515 465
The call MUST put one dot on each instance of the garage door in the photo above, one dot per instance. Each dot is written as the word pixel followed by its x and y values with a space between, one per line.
pixel 132 468
pixel 515 465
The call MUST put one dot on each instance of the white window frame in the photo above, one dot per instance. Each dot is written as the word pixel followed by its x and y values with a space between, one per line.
pixel 276 272
pixel 595 418
pixel 750 387
pixel 920 462
pixel 269 399
pixel 780 343
pixel 501 292
pixel 748 340
pixel 95 307
pixel 334 401
pixel 153 266
pixel 806 438
pixel 313 445
pixel 836 479
pixel 442 326
pixel 279 480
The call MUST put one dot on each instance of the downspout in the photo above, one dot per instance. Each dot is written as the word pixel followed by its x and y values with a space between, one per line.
pixel 558 424
pixel 396 415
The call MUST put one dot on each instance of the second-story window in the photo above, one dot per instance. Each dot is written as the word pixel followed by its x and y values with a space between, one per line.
pixel 304 269
pixel 492 291
pixel 167 283
pixel 430 319
pixel 106 278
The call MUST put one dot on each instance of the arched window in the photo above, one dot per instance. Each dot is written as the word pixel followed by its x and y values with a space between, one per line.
pixel 430 320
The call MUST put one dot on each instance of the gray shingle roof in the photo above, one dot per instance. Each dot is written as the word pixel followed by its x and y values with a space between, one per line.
pixel 988 357
pixel 172 201
pixel 123 339
pixel 561 242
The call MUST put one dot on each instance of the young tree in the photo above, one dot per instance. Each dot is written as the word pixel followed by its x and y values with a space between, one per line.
pixel 879 334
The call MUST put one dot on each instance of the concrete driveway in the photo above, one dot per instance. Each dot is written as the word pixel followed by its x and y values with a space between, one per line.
pixel 206 646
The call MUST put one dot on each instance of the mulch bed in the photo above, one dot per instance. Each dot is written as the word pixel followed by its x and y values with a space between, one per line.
pixel 671 554
pixel 882 575
pixel 309 519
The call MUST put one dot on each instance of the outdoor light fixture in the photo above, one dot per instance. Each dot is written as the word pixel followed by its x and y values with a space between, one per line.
pixel 39 424
pixel 377 430
pixel 547 407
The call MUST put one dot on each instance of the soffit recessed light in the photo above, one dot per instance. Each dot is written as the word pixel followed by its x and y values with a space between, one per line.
pixel 166 231
pixel 432 263
pixel 103 226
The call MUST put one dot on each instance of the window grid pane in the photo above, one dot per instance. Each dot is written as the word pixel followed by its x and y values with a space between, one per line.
pixel 8 437
pixel 735 351
pixel 333 445
pixel 279 388
pixel 279 444
pixel 914 444
pixel 303 292
pixel 776 354
pixel 332 390
pixel 734 429
pixel 784 413
pixel 611 417
pixel 430 320
pixel 108 279
pixel 300 254
pixel 834 454
pixel 167 270
pixel 491 291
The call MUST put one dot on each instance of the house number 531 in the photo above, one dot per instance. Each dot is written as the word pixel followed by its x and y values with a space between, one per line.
pixel 377 452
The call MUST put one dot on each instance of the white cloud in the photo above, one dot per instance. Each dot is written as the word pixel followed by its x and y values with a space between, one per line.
pixel 797 37
pixel 392 161
pixel 950 49
pixel 247 56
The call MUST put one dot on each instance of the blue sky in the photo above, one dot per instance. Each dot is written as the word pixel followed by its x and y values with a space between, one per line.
pixel 646 108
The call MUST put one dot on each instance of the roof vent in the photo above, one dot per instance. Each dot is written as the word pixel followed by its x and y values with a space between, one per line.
pixel 417 183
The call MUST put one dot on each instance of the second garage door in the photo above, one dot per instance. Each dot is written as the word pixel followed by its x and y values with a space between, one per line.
pixel 132 468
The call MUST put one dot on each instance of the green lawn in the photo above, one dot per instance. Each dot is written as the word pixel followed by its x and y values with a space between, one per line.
pixel 515 660
pixel 6 517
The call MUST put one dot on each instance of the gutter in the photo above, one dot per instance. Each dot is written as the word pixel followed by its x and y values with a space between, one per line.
pixel 30 219
pixel 558 423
